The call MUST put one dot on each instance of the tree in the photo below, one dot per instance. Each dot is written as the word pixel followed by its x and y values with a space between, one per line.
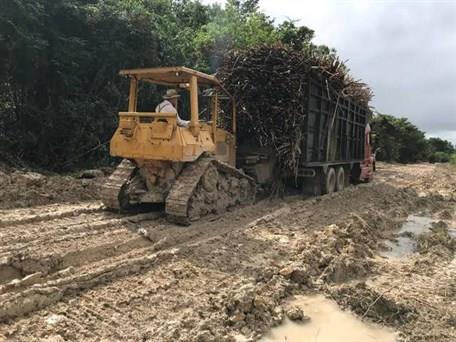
pixel 60 79
pixel 399 140
pixel 239 25
pixel 440 145
pixel 296 37
pixel 59 60
pixel 440 150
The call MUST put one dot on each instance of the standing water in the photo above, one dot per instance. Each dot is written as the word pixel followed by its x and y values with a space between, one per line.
pixel 328 323
pixel 405 244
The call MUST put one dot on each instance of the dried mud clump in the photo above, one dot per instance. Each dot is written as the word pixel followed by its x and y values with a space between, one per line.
pixel 367 302
pixel 445 215
pixel 248 310
pixel 295 313
pixel 20 189
pixel 252 309
pixel 190 329
pixel 340 252
pixel 297 273
pixel 437 242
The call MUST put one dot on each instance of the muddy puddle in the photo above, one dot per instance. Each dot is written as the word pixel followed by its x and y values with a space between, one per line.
pixel 328 323
pixel 405 245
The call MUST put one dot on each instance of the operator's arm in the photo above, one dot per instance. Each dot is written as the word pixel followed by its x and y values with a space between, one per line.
pixel 180 122
pixel 167 107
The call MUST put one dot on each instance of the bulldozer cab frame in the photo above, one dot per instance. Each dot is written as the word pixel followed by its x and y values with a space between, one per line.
pixel 143 136
pixel 182 78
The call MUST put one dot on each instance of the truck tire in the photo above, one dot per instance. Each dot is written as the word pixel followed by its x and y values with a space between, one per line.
pixel 329 184
pixel 355 173
pixel 340 179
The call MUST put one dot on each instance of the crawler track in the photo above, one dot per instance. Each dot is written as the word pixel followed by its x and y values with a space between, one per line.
pixel 112 187
pixel 207 186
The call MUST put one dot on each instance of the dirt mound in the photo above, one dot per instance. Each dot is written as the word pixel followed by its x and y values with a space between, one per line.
pixel 342 251
pixel 20 189
pixel 254 308
pixel 245 311
pixel 437 242
pixel 368 302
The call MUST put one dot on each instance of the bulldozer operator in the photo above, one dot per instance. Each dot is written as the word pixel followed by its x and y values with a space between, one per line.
pixel 169 105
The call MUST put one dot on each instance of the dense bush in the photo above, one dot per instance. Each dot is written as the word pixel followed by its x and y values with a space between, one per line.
pixel 453 159
pixel 439 157
pixel 440 150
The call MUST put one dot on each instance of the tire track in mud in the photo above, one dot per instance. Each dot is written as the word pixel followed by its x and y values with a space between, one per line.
pixel 18 303
pixel 104 319
pixel 43 213
pixel 50 231
pixel 115 248
pixel 83 254
pixel 119 247
pixel 157 242
pixel 60 243
pixel 92 302
pixel 142 278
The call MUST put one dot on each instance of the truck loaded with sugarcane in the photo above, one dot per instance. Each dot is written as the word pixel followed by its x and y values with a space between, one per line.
pixel 272 118
pixel 303 121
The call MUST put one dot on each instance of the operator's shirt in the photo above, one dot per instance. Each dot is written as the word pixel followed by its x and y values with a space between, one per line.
pixel 167 107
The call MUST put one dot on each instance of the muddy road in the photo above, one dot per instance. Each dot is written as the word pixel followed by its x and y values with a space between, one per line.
pixel 70 271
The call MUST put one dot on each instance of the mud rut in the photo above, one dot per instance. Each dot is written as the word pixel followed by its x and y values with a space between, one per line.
pixel 59 251
pixel 72 272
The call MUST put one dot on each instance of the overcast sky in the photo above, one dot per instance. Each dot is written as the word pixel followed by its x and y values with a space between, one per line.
pixel 405 50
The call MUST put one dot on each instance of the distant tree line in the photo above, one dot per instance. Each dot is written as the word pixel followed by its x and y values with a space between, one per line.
pixel 59 60
pixel 398 140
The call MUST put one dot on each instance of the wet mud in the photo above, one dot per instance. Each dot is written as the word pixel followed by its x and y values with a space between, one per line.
pixel 71 271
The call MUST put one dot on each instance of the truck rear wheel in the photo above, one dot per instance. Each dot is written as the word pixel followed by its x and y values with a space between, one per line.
pixel 329 184
pixel 340 183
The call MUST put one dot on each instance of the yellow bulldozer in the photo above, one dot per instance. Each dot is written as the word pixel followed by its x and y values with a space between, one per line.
pixel 190 168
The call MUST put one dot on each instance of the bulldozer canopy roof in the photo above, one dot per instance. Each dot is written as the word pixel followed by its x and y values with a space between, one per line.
pixel 171 76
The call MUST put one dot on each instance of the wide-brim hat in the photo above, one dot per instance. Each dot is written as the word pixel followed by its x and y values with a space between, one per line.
pixel 171 94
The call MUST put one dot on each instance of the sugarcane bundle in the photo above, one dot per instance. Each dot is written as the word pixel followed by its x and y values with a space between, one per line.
pixel 269 84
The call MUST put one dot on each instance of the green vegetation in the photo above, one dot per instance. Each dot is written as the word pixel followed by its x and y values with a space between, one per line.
pixel 440 151
pixel 59 59
pixel 399 140
pixel 453 159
